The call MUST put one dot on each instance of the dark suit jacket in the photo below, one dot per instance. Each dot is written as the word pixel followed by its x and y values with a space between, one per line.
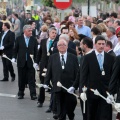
pixel 91 74
pixel 70 50
pixel 8 43
pixel 114 85
pixel 20 51
pixel 55 72
pixel 42 57
pixel 112 53
pixel 1 26
pixel 77 82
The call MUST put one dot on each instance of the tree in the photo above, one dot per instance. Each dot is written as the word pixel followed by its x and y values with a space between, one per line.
pixel 48 3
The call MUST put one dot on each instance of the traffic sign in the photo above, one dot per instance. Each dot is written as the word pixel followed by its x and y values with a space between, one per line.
pixel 62 4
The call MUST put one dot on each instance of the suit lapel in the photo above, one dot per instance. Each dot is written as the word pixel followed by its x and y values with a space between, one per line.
pixel 95 61
pixel 58 61
pixel 67 61
pixel 30 42
pixel 105 60
pixel 23 41
pixel 5 35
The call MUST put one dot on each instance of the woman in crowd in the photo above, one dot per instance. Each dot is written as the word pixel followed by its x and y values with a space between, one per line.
pixel 70 24
pixel 73 34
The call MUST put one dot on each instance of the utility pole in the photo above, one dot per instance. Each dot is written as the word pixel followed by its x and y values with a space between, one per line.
pixel 88 7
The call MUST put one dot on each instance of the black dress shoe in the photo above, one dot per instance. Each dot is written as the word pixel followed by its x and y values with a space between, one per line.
pixel 55 116
pixel 33 97
pixel 3 80
pixel 20 97
pixel 48 110
pixel 13 79
pixel 39 104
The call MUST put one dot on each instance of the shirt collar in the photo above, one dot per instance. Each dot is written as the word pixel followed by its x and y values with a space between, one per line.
pixel 50 39
pixel 89 51
pixel 26 37
pixel 6 31
pixel 65 54
pixel 109 50
pixel 112 37
pixel 96 52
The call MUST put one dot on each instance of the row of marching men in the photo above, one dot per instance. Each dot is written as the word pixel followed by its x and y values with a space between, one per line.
pixel 96 71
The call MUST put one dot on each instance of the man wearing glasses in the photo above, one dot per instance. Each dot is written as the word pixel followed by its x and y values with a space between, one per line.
pixel 64 69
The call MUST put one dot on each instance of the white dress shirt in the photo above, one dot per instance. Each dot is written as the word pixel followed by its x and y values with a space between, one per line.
pixel 65 56
pixel 102 57
pixel 3 37
pixel 117 49
pixel 48 44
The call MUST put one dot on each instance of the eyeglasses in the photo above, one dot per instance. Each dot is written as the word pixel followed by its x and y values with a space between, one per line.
pixel 61 45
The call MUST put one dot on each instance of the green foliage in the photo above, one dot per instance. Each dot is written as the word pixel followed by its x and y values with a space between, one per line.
pixel 47 3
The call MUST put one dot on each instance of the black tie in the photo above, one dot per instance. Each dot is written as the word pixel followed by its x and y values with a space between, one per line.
pixel 63 61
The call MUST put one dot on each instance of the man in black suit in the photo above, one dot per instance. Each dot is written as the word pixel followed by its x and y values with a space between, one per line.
pixel 25 45
pixel 114 85
pixel 108 48
pixel 1 23
pixel 86 45
pixel 46 49
pixel 96 73
pixel 6 47
pixel 63 67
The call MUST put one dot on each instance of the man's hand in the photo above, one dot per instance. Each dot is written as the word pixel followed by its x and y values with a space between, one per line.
pixel 2 47
pixel 13 60
pixel 71 90
pixel 35 65
pixel 110 99
pixel 45 86
pixel 83 96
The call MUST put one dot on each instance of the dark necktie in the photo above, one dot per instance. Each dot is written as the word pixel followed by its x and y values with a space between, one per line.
pixel 63 61
pixel 50 43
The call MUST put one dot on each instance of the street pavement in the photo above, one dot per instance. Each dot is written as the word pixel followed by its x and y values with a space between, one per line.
pixel 13 109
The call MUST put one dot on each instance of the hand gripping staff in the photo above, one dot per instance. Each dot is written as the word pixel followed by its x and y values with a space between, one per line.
pixel 8 58
pixel 60 85
pixel 37 75
pixel 83 97
pixel 42 85
pixel 116 105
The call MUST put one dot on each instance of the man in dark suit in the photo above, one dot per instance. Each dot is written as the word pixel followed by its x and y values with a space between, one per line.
pixel 86 45
pixel 63 67
pixel 6 47
pixel 46 49
pixel 108 48
pixel 114 85
pixel 1 28
pixel 25 45
pixel 95 73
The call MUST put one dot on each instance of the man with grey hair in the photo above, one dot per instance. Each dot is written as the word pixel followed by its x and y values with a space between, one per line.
pixel 70 43
pixel 81 29
pixel 62 70
pixel 46 49
pixel 111 36
pixel 66 38
pixel 25 45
